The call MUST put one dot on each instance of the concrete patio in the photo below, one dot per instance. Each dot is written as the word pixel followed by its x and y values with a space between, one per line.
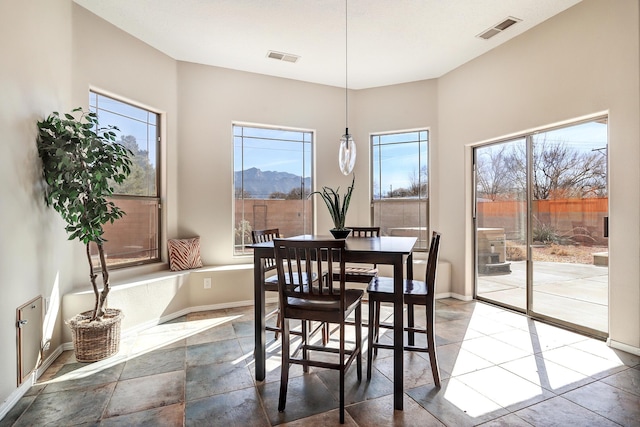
pixel 575 293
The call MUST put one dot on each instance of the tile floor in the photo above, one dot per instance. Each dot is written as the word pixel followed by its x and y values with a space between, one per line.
pixel 498 369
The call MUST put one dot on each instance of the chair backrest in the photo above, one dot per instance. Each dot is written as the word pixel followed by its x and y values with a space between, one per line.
pixel 267 235
pixel 432 265
pixel 365 231
pixel 297 260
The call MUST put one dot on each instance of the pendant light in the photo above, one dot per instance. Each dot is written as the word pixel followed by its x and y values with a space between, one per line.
pixel 347 152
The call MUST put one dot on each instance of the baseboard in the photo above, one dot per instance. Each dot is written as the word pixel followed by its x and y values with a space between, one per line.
pixel 624 347
pixel 16 395
pixel 49 361
pixel 461 297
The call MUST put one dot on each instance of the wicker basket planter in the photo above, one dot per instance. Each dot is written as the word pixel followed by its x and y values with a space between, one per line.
pixel 93 341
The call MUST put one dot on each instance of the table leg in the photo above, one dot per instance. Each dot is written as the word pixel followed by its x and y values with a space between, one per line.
pixel 259 353
pixel 398 339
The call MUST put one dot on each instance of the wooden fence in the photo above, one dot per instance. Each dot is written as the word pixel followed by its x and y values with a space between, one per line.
pixel 575 220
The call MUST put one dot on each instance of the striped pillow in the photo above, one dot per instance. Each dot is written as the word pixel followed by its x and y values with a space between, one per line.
pixel 184 254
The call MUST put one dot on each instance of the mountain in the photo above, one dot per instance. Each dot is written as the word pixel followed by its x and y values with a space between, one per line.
pixel 260 184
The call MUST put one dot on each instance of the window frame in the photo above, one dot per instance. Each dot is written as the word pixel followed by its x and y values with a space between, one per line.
pixel 423 242
pixel 308 164
pixel 157 198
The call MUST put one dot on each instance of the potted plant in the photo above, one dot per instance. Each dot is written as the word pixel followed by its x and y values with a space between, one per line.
pixel 80 163
pixel 337 209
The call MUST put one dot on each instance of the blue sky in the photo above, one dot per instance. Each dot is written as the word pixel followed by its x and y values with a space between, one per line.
pixel 130 120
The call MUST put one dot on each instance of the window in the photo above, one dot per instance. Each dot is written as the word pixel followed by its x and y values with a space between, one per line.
pixel 134 238
pixel 271 182
pixel 401 184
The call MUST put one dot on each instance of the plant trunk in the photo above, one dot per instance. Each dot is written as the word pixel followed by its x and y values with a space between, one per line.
pixel 92 276
pixel 100 297
pixel 105 281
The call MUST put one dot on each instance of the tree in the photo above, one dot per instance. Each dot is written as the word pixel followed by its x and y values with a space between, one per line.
pixel 278 195
pixel 242 194
pixel 417 183
pixel 142 180
pixel 80 160
pixel 563 172
pixel 492 182
pixel 297 193
pixel 559 171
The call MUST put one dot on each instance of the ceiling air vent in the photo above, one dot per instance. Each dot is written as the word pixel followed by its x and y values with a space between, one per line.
pixel 286 57
pixel 498 28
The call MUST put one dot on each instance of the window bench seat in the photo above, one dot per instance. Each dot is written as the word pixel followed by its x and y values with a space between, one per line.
pixel 153 298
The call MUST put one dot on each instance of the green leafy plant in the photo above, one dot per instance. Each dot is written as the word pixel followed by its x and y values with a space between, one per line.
pixel 337 209
pixel 81 162
pixel 544 233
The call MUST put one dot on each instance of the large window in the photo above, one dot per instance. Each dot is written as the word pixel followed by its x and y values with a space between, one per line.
pixel 133 239
pixel 401 184
pixel 271 182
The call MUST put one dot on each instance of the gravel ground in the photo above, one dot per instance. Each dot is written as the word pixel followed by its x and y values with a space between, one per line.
pixel 558 253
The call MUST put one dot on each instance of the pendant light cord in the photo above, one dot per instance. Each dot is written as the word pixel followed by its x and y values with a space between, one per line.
pixel 346 66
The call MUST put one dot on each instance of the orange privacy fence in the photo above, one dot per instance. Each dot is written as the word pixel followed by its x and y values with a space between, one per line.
pixel 512 207
pixel 579 220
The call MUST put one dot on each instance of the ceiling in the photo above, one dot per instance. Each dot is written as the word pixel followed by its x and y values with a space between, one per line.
pixel 388 41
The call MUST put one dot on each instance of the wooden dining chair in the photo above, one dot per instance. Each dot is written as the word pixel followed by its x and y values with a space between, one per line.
pixel 416 292
pixel 327 302
pixel 361 273
pixel 270 283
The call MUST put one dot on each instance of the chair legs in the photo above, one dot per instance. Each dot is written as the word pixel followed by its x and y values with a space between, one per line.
pixel 411 322
pixel 374 337
pixel 284 369
pixel 279 323
pixel 431 347
pixel 342 352
pixel 358 327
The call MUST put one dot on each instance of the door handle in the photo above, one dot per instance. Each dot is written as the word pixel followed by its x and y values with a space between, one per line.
pixel 606 226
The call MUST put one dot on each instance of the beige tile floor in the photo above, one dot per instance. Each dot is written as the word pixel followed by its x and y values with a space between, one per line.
pixel 498 368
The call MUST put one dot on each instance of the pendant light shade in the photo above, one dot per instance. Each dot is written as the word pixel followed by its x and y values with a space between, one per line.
pixel 347 151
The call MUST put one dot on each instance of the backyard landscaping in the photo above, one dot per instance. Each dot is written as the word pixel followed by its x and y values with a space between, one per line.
pixel 556 253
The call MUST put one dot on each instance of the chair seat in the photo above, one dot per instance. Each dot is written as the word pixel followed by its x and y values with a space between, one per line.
pixel 323 310
pixel 381 289
pixel 357 274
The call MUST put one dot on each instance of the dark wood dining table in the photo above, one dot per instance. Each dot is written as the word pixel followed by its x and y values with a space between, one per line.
pixel 384 250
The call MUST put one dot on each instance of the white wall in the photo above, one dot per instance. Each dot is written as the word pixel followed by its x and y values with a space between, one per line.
pixel 210 100
pixel 580 62
pixel 110 61
pixel 395 108
pixel 35 79
pixel 53 51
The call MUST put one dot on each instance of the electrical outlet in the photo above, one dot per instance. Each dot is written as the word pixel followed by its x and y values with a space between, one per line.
pixel 207 282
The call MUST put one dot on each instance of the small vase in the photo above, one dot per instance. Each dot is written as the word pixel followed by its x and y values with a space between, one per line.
pixel 340 234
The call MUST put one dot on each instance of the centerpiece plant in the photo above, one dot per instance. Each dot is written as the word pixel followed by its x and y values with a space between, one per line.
pixel 337 207
pixel 81 163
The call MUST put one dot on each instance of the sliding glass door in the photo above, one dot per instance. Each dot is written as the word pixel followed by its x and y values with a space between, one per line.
pixel 501 223
pixel 541 211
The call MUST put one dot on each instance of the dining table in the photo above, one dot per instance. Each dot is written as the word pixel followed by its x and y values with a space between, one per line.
pixel 396 251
